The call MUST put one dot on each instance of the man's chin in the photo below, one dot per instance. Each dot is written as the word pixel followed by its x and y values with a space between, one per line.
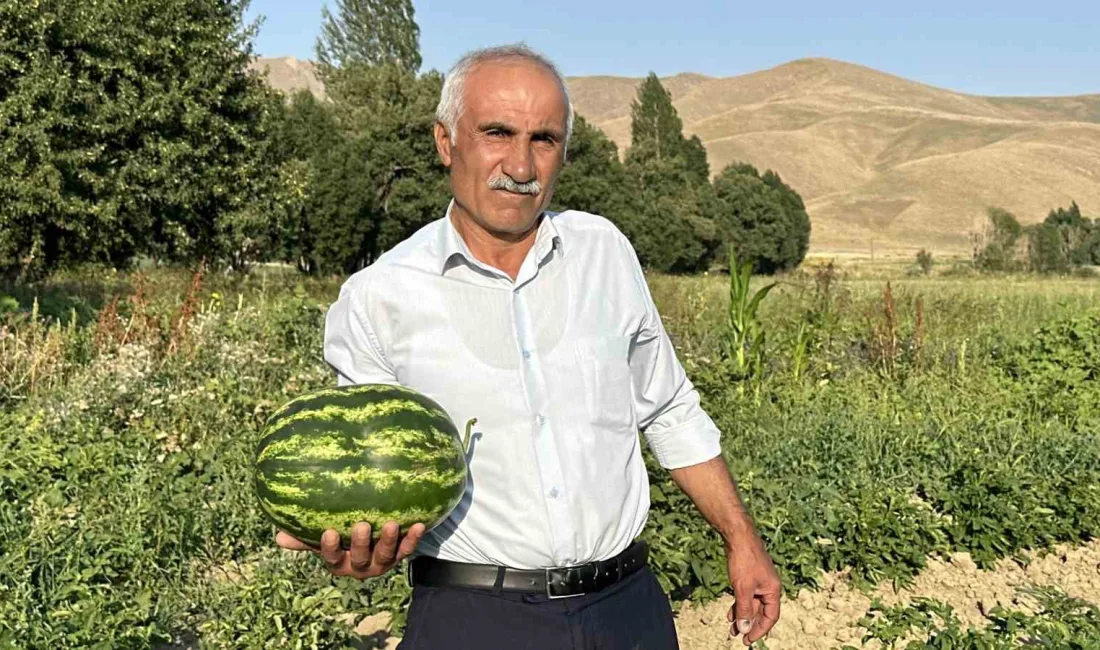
pixel 512 222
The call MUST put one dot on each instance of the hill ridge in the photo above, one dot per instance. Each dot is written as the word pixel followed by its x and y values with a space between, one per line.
pixel 882 161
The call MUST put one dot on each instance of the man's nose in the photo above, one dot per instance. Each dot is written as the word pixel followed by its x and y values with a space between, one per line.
pixel 520 162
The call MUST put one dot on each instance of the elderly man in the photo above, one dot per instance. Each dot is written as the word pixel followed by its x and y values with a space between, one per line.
pixel 542 327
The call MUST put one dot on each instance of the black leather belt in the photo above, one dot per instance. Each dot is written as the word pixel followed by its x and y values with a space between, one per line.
pixel 555 583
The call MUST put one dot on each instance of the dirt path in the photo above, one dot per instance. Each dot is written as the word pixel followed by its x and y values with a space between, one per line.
pixel 827 618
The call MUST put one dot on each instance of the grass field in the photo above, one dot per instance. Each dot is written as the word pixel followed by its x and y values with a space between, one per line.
pixel 897 427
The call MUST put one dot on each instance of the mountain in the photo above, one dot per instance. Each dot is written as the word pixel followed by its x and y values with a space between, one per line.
pixel 883 163
pixel 290 74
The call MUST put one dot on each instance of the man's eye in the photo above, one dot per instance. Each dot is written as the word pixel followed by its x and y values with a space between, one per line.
pixel 496 133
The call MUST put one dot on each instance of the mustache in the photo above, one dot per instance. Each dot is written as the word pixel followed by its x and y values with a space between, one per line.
pixel 506 182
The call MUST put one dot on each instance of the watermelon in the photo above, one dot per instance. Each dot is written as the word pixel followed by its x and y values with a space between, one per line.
pixel 368 452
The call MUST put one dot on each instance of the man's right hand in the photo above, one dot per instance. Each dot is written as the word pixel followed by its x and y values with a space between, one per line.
pixel 361 561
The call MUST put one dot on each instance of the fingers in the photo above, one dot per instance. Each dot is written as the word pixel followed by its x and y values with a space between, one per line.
pixel 360 552
pixel 769 612
pixel 742 608
pixel 331 552
pixel 291 543
pixel 385 550
pixel 364 558
pixel 408 545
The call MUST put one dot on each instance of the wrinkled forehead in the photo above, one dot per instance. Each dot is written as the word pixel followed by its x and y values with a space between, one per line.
pixel 514 90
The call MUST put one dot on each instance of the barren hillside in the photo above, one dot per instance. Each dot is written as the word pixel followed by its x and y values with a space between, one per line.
pixel 881 161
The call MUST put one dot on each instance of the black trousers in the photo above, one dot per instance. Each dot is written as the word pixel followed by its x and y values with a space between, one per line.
pixel 632 614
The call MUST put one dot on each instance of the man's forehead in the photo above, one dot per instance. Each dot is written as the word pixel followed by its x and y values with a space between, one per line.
pixel 518 88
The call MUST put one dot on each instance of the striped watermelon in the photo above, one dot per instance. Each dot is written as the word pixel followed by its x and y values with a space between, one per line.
pixel 370 452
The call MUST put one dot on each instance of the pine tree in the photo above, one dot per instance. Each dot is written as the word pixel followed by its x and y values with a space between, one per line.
pixel 654 123
pixel 371 33
pixel 695 154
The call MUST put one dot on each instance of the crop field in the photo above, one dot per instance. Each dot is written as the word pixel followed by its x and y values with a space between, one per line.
pixel 921 454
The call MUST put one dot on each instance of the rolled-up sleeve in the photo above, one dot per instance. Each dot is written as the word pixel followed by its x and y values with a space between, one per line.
pixel 351 346
pixel 678 430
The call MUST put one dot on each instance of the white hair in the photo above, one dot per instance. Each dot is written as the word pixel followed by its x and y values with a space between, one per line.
pixel 450 105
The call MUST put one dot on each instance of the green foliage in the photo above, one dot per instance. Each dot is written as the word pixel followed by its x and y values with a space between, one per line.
pixel 761 217
pixel 1059 366
pixel 695 155
pixel 1063 241
pixel 995 245
pixel 127 518
pixel 1058 622
pixel 384 180
pixel 745 334
pixel 129 128
pixel 669 226
pixel 370 33
pixel 668 219
pixel 366 167
pixel 594 179
pixel 924 261
pixel 1046 249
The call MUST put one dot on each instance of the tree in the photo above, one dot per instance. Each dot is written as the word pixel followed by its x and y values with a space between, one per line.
pixel 654 122
pixel 129 127
pixel 924 261
pixel 696 156
pixel 593 178
pixel 304 131
pixel 761 218
pixel 371 33
pixel 1076 233
pixel 671 223
pixel 383 180
pixel 670 226
pixel 656 128
pixel 995 245
pixel 1046 249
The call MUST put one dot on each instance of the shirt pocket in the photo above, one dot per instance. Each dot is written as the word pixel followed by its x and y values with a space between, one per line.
pixel 606 382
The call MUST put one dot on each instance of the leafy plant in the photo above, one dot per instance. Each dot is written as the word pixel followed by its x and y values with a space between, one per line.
pixel 745 334
pixel 924 261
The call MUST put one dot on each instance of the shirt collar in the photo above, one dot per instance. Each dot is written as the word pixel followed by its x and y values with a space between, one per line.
pixel 451 243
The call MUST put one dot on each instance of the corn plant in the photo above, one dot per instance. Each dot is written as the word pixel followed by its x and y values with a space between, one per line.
pixel 800 350
pixel 745 334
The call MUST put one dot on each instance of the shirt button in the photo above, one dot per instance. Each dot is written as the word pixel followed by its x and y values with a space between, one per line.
pixel 553 493
pixel 526 354
pixel 542 419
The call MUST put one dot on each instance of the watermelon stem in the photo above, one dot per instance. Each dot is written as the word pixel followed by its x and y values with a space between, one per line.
pixel 466 440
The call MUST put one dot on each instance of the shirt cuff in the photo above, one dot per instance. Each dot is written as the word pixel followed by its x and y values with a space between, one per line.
pixel 690 443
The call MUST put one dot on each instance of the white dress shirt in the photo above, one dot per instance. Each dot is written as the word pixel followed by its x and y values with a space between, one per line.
pixel 561 367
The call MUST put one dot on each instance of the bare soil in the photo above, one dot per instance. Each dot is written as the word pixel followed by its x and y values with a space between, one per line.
pixel 828 618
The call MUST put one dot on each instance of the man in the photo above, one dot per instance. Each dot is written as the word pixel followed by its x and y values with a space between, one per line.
pixel 542 327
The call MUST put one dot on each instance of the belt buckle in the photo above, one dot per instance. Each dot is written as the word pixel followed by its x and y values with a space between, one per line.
pixel 550 595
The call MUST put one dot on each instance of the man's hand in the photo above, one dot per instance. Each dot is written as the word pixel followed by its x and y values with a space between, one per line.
pixel 755 581
pixel 361 561
pixel 756 588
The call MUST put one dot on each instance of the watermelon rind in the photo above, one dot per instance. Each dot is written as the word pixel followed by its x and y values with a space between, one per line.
pixel 369 452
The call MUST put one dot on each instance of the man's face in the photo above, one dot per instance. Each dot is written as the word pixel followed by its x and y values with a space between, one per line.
pixel 509 145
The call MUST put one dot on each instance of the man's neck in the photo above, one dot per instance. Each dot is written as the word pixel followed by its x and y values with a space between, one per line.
pixel 503 251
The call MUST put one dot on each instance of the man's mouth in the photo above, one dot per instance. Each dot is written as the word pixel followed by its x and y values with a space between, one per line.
pixel 510 186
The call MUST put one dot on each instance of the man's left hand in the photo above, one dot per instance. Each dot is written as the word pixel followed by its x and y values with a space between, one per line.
pixel 756 588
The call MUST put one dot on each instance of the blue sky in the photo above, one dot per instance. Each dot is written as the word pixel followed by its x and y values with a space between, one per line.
pixel 980 47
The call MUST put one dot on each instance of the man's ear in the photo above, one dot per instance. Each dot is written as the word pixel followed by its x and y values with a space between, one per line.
pixel 442 143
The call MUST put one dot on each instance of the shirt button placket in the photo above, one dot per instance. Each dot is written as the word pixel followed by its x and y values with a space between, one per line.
pixel 546 452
